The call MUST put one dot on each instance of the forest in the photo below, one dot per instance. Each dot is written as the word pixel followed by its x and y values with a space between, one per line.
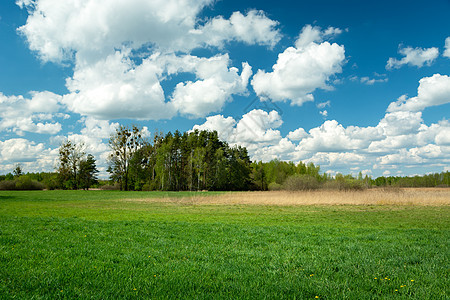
pixel 191 161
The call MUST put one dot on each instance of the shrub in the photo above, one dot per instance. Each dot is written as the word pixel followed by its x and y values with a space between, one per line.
pixel 273 186
pixel 108 187
pixel 301 183
pixel 7 185
pixel 23 183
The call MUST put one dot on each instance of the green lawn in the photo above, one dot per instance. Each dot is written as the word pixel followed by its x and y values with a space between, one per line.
pixel 68 244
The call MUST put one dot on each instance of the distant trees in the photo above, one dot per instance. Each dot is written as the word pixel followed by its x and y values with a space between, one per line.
pixel 192 161
pixel 275 173
pixel 197 160
pixel 75 169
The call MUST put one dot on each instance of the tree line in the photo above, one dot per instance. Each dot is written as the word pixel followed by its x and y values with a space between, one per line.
pixel 191 161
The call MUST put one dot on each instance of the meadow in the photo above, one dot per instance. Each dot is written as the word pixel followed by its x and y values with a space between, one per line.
pixel 374 244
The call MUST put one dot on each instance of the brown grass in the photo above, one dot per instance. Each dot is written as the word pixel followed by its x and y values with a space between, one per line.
pixel 409 196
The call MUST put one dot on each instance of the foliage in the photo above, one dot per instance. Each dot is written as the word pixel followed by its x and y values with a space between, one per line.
pixel 124 144
pixel 18 171
pixel 429 180
pixel 273 186
pixel 191 161
pixel 22 183
pixel 88 172
pixel 75 170
pixel 301 183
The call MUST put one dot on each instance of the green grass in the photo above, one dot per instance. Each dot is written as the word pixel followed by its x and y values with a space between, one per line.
pixel 63 244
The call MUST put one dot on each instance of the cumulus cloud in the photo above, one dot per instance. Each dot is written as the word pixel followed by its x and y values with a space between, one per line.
pixel 223 126
pixel 216 83
pixel 447 48
pixel 36 114
pixel 310 34
pixel 413 56
pixel 34 157
pixel 253 29
pixel 119 64
pixel 116 88
pixel 254 129
pixel 297 134
pixel 301 70
pixel 401 138
pixel 91 29
pixel 432 91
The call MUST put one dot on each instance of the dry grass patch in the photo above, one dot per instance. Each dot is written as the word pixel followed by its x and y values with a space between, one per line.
pixel 379 196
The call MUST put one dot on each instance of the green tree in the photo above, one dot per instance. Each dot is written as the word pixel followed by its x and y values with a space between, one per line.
pixel 18 171
pixel 88 172
pixel 124 143
pixel 70 156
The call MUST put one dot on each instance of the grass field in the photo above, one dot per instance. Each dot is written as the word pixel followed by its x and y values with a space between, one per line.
pixel 314 245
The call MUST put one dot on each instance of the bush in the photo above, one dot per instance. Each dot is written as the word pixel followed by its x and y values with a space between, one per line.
pixel 108 187
pixel 23 183
pixel 7 185
pixel 301 183
pixel 273 186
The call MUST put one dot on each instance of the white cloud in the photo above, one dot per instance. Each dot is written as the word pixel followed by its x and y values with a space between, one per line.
pixel 322 105
pixel 223 126
pixel 337 159
pixel 257 126
pixel 371 81
pixel 92 29
pixel 101 129
pixel 413 56
pixel 20 114
pixel 110 84
pixel 310 34
pixel 20 150
pixel 400 123
pixel 432 91
pixel 115 88
pixel 253 29
pixel 447 48
pixel 300 71
pixel 329 137
pixel 215 85
pixel 254 129
pixel 297 134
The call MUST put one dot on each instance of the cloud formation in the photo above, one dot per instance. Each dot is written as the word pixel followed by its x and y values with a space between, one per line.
pixel 432 91
pixel 302 69
pixel 122 51
pixel 36 115
pixel 447 48
pixel 417 57
pixel 400 138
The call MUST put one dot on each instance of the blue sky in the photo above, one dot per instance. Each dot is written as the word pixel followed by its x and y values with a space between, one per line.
pixel 349 85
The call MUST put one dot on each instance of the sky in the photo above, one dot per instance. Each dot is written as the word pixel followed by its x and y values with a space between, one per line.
pixel 353 86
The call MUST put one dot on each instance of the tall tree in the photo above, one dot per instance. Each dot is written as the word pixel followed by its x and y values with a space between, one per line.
pixel 88 172
pixel 123 144
pixel 70 156
pixel 18 171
